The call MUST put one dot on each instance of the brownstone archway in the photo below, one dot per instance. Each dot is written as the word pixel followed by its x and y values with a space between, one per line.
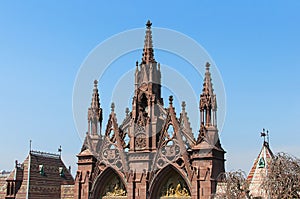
pixel 170 183
pixel 109 184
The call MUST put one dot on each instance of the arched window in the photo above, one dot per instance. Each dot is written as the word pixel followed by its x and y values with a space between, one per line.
pixel 144 101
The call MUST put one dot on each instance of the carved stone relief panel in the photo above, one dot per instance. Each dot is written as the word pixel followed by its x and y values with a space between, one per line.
pixel 140 137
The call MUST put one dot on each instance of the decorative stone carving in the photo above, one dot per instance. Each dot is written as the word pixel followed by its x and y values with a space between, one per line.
pixel 175 188
pixel 140 138
pixel 114 188
pixel 111 156
pixel 169 153
pixel 140 141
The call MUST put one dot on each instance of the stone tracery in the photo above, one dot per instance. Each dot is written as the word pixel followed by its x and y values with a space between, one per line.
pixel 157 140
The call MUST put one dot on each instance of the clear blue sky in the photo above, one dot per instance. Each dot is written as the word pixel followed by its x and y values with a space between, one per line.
pixel 255 45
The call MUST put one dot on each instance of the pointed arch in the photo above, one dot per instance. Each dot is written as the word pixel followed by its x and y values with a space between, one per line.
pixel 167 179
pixel 170 131
pixel 109 183
pixel 144 100
pixel 171 147
pixel 112 152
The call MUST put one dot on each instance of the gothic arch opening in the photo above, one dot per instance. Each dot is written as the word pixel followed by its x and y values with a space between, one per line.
pixel 170 131
pixel 170 183
pixel 109 185
pixel 143 102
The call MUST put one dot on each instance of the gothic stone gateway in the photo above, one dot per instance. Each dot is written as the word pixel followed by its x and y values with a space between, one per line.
pixel 162 158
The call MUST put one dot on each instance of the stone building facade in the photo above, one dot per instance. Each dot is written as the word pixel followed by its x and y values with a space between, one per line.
pixel 161 157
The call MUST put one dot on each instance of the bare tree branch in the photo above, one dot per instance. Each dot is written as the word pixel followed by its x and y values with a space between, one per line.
pixel 283 177
pixel 232 185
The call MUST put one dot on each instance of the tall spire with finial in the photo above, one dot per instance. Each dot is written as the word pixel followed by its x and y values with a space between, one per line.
pixel 147 95
pixel 207 85
pixel 208 102
pixel 148 54
pixel 95 112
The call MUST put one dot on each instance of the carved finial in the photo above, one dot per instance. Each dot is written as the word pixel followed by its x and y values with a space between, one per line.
pixel 127 111
pixel 183 105
pixel 95 83
pixel 265 134
pixel 95 98
pixel 207 65
pixel 170 99
pixel 60 149
pixel 148 55
pixel 112 107
pixel 30 142
pixel 207 85
pixel 148 24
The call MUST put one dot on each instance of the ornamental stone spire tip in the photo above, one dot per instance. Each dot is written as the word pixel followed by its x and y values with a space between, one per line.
pixel 148 54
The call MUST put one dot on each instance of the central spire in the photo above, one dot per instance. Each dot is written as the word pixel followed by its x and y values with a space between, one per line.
pixel 148 55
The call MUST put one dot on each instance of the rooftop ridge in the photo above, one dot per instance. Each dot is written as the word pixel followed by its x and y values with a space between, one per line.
pixel 4 173
pixel 45 154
